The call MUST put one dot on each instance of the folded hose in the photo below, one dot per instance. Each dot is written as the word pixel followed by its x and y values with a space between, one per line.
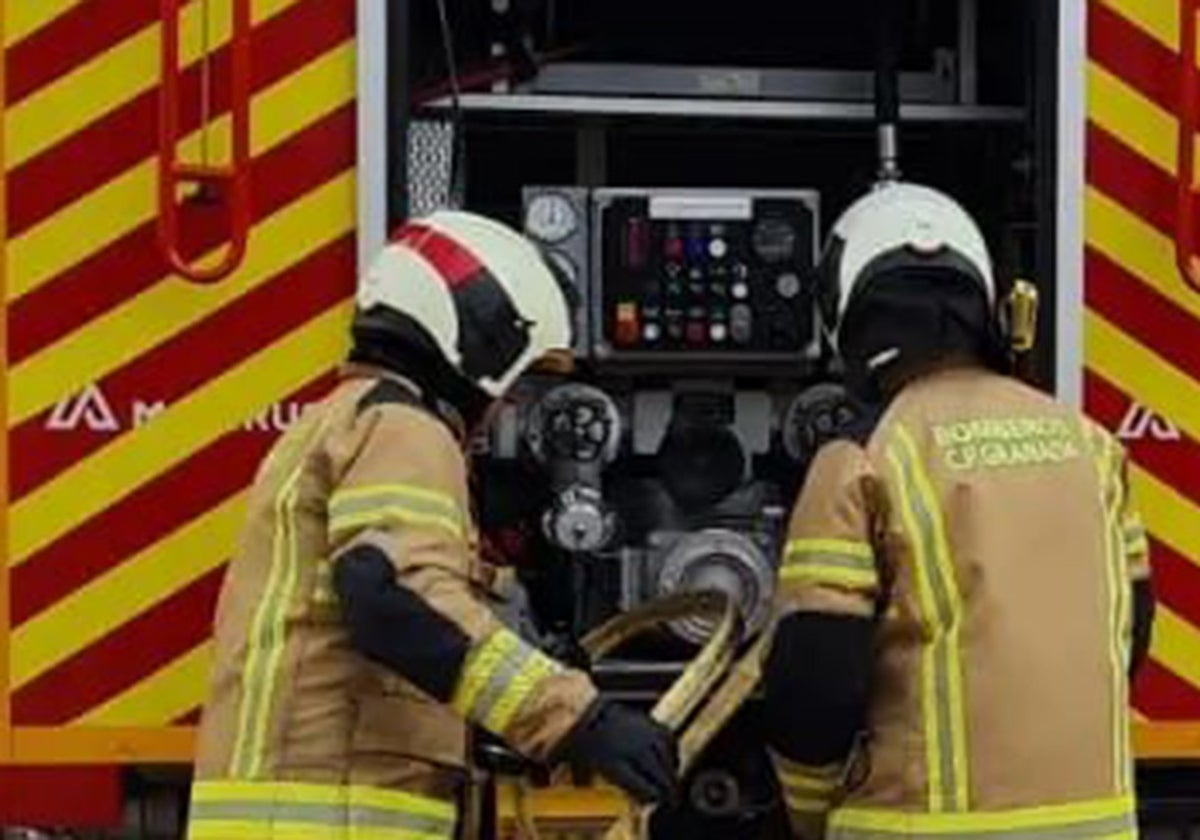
pixel 708 692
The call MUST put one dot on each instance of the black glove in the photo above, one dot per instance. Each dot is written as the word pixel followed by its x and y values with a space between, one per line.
pixel 629 749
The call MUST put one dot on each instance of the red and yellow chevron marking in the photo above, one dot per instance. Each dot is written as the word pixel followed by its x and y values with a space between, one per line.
pixel 141 403
pixel 1140 330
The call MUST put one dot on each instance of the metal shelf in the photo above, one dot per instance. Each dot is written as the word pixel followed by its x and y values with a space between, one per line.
pixel 551 105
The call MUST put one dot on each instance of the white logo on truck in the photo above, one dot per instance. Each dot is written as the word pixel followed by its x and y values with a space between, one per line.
pixel 89 409
pixel 1140 423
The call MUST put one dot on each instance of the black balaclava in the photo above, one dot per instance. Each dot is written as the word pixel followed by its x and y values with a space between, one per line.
pixel 397 343
pixel 911 318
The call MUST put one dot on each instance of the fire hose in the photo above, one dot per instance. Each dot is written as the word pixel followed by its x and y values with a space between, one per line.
pixel 697 705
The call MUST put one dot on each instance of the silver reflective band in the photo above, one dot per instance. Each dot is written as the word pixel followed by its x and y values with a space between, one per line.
pixel 321 814
pixel 372 505
pixel 1109 827
pixel 945 616
pixel 500 680
pixel 830 560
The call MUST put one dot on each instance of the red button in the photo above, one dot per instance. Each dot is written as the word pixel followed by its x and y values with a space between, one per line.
pixel 696 333
pixel 629 331
pixel 673 248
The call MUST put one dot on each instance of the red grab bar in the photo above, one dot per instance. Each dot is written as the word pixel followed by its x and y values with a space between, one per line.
pixel 1185 196
pixel 229 182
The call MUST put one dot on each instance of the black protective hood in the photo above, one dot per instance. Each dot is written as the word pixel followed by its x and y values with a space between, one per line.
pixel 397 343
pixel 909 318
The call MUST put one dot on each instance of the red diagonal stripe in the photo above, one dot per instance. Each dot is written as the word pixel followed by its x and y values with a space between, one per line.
pixel 1142 312
pixel 128 135
pixel 132 264
pixel 147 514
pixel 1131 54
pixel 189 359
pixel 72 39
pixel 1131 180
pixel 1175 462
pixel 1176 581
pixel 456 265
pixel 1162 696
pixel 127 655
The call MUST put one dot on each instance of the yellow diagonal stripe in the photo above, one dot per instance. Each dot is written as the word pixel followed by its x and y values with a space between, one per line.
pixel 163 697
pixel 1176 644
pixel 1138 248
pixel 137 326
pixel 129 200
pixel 125 591
pixel 1138 371
pixel 1155 383
pixel 233 398
pixel 1132 118
pixel 1158 18
pixel 24 17
pixel 113 78
pixel 1169 516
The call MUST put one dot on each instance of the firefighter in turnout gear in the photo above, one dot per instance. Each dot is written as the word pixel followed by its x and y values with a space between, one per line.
pixel 965 590
pixel 353 640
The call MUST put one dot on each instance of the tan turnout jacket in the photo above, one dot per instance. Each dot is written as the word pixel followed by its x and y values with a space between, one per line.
pixel 301 736
pixel 990 530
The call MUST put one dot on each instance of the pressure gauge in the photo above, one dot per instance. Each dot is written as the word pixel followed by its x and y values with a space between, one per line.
pixel 551 218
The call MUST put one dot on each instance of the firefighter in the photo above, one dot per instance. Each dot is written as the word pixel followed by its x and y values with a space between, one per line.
pixel 353 639
pixel 964 594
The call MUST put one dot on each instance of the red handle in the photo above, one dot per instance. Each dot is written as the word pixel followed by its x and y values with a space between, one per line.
pixel 1185 197
pixel 230 181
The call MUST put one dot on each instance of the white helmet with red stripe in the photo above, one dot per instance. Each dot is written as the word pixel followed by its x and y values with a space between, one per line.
pixel 470 291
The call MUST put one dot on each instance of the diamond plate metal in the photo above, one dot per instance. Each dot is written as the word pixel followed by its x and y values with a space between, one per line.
pixel 430 143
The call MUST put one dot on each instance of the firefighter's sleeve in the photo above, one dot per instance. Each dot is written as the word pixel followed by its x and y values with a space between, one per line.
pixel 1135 548
pixel 400 537
pixel 818 673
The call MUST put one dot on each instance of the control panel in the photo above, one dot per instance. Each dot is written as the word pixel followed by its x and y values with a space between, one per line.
pixel 718 273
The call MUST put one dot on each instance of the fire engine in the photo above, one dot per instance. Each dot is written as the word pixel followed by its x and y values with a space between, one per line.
pixel 189 187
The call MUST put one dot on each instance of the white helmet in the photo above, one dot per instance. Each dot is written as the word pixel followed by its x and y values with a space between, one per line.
pixel 469 297
pixel 900 226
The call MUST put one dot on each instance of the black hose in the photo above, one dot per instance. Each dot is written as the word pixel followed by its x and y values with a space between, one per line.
pixel 889 35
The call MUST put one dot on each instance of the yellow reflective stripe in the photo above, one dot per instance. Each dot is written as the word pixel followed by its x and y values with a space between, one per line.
pixel 411 491
pixel 267 634
pixel 385 516
pixel 941 606
pixel 250 830
pixel 525 683
pixel 1137 544
pixel 849 578
pixel 499 676
pixel 1106 458
pixel 816 780
pixel 807 789
pixel 1118 812
pixel 804 804
pixel 836 562
pixel 847 548
pixel 379 505
pixel 300 792
pixel 481 664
